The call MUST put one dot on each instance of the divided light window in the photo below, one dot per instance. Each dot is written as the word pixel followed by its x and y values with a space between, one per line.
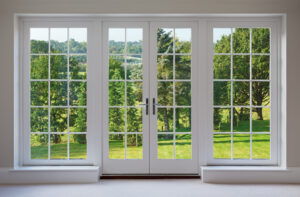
pixel 241 89
pixel 58 98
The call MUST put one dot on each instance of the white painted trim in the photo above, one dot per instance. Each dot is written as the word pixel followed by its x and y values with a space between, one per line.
pixel 47 174
pixel 230 174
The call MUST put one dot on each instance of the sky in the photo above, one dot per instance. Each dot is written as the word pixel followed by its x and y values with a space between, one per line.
pixel 219 32
pixel 58 34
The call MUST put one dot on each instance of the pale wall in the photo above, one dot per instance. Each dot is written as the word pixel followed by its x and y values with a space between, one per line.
pixel 9 7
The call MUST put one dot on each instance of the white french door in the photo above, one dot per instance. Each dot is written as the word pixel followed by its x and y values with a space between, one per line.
pixel 149 96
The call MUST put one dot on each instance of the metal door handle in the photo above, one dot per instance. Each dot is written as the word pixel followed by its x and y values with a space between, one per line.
pixel 147 105
pixel 153 104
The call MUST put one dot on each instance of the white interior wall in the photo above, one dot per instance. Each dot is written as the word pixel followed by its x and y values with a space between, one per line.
pixel 9 7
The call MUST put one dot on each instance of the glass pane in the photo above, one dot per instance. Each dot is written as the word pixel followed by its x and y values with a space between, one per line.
pixel 134 146
pixel 261 93
pixel 39 146
pixel 39 38
pixel 78 66
pixel 78 93
pixel 165 67
pixel 39 119
pixel 165 119
pixel 183 119
pixel 222 93
pixel 241 40
pixel 59 146
pixel 261 146
pixel 77 119
pixel 39 93
pixel 116 93
pixel 165 40
pixel 183 39
pixel 116 40
pixel 116 67
pixel 165 93
pixel 222 65
pixel 134 120
pixel 134 39
pixel 116 120
pixel 78 146
pixel 78 40
pixel 260 67
pixel 222 146
pixel 134 67
pixel 39 67
pixel 117 146
pixel 58 120
pixel 260 119
pixel 261 40
pixel 134 93
pixel 241 146
pixel 241 119
pixel 241 67
pixel 58 93
pixel 222 39
pixel 183 93
pixel 222 119
pixel 241 93
pixel 184 146
pixel 165 148
pixel 58 66
pixel 183 66
pixel 58 40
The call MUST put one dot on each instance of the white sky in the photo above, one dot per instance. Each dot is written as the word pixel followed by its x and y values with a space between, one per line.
pixel 219 32
pixel 59 34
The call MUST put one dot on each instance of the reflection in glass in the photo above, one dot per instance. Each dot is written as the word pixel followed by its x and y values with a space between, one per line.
pixel 165 40
pixel 183 119
pixel 165 67
pixel 59 146
pixel 39 119
pixel 222 39
pixel 260 146
pixel 165 119
pixel 222 65
pixel 183 93
pixel 134 120
pixel 78 93
pixel 165 146
pixel 39 93
pixel 241 93
pixel 260 119
pixel 77 120
pixel 222 119
pixel 134 67
pixel 39 38
pixel 116 93
pixel 39 67
pixel 241 40
pixel 134 146
pixel 78 66
pixel 260 67
pixel 39 146
pixel 116 120
pixel 78 146
pixel 58 40
pixel 222 146
pixel 58 120
pixel 241 119
pixel 241 146
pixel 117 146
pixel 116 40
pixel 116 67
pixel 183 67
pixel 221 93
pixel 165 93
pixel 134 93
pixel 58 66
pixel 241 67
pixel 183 146
pixel 261 40
pixel 183 40
pixel 58 93
pixel 78 40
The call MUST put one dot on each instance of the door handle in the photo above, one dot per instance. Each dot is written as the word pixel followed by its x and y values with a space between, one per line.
pixel 153 104
pixel 147 105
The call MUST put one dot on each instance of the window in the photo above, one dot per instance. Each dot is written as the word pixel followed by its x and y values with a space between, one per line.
pixel 244 101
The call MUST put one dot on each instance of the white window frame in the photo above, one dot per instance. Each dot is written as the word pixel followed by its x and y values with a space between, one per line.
pixel 92 93
pixel 204 112
pixel 274 91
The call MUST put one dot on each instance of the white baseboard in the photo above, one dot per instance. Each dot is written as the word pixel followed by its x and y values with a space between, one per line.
pixel 49 174
pixel 226 174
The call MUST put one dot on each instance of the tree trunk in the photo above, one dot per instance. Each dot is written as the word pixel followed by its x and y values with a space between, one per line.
pixel 259 113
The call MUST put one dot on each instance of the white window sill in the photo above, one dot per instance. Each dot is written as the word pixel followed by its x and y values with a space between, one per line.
pixel 54 168
pixel 243 168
